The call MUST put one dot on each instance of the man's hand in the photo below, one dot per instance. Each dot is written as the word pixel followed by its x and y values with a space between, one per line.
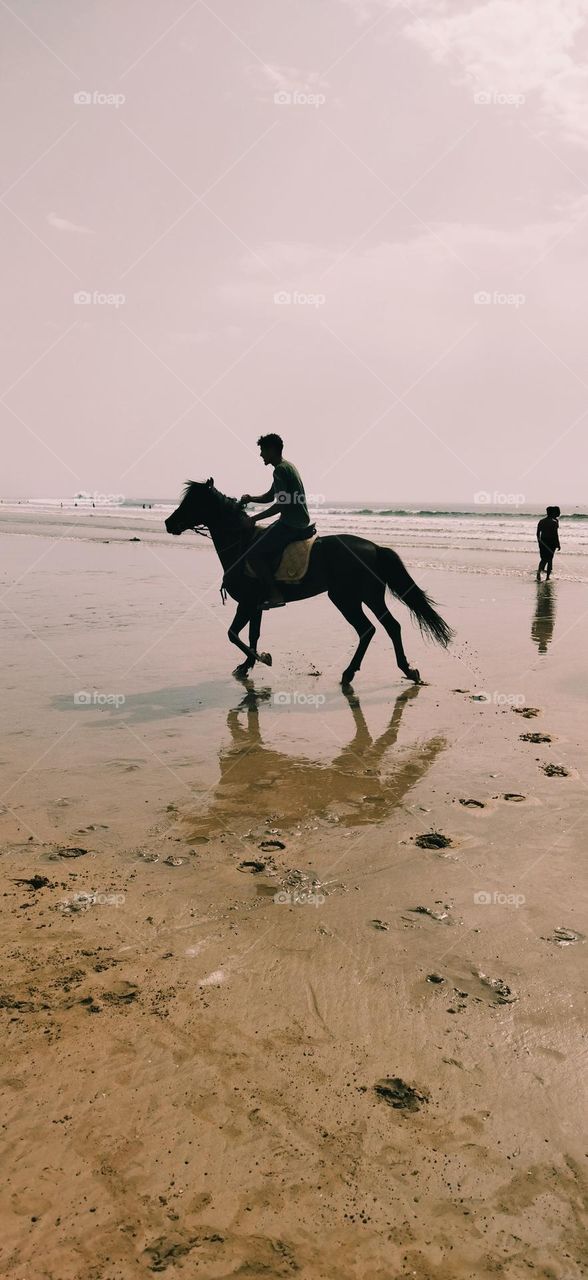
pixel 244 499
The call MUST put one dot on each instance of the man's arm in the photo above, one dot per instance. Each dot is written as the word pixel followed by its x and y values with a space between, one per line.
pixel 264 515
pixel 264 497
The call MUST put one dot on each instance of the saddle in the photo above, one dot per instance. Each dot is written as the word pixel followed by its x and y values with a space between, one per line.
pixel 294 563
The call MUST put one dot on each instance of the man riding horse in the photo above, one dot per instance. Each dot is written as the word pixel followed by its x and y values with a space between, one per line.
pixel 294 524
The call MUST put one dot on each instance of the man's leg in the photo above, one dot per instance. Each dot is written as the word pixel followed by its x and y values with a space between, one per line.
pixel 265 550
pixel 548 565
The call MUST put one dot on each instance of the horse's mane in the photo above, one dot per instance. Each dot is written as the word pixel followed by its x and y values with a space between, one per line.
pixel 230 506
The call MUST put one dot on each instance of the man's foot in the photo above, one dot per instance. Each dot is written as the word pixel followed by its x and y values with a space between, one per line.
pixel 538 577
pixel 274 601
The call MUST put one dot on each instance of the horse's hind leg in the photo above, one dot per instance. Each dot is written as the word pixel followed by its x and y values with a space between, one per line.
pixel 242 616
pixel 354 614
pixel 377 604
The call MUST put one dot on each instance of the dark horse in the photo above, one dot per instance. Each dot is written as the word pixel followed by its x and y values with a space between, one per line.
pixel 352 570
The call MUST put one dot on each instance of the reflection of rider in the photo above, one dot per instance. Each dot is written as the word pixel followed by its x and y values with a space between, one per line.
pixel 544 619
pixel 294 523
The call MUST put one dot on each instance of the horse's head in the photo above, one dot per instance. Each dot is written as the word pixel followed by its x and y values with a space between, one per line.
pixel 197 504
pixel 202 504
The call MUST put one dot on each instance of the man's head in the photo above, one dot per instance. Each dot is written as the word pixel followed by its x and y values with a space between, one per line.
pixel 554 512
pixel 271 448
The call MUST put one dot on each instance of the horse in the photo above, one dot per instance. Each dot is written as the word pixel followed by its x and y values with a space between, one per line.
pixel 352 570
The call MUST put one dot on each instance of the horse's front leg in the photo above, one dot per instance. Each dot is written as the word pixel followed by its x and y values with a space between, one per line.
pixel 254 632
pixel 243 615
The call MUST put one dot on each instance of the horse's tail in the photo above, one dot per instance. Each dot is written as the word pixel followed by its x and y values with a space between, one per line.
pixel 398 579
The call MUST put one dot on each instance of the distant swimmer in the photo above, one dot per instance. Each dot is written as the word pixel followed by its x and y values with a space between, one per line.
pixel 548 539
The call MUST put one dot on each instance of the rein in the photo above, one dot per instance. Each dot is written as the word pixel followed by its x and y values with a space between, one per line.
pixel 204 533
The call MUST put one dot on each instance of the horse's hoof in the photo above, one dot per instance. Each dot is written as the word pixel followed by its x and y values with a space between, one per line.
pixel 266 658
pixel 242 671
pixel 347 679
pixel 413 674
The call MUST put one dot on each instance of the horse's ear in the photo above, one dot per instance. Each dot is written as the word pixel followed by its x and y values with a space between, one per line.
pixel 210 483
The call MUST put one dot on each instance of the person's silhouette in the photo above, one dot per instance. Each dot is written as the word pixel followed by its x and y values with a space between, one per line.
pixel 548 540
pixel 289 502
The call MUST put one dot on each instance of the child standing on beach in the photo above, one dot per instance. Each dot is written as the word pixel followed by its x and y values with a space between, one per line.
pixel 548 539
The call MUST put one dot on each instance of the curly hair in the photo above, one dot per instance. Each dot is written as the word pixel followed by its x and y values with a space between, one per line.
pixel 274 441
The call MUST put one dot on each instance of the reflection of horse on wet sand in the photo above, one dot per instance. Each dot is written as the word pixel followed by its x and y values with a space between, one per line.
pixel 258 780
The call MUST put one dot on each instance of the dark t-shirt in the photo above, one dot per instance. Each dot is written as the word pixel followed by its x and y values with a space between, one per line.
pixel 289 494
pixel 548 533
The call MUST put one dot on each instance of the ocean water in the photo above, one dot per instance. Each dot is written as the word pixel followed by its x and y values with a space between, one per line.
pixel 444 527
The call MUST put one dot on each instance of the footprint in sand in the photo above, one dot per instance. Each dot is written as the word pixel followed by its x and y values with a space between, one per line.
pixel 433 840
pixel 527 712
pixel 400 1095
pixel 565 937
pixel 502 993
pixel 442 916
pixel 555 770
pixel 472 804
pixel 515 796
pixel 535 737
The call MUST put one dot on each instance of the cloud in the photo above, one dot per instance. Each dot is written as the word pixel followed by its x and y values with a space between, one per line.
pixel 62 224
pixel 525 47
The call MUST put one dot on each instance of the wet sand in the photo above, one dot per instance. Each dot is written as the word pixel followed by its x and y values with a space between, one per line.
pixel 253 1024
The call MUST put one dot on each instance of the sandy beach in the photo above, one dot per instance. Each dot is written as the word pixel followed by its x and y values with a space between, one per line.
pixel 292 980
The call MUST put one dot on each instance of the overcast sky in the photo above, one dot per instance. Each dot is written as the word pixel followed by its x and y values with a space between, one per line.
pixel 360 223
